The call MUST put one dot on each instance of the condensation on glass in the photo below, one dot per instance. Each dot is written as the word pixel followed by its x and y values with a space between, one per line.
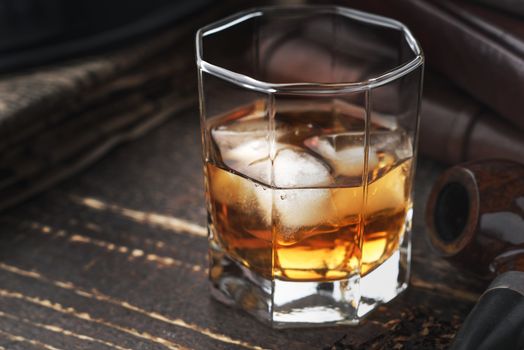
pixel 309 119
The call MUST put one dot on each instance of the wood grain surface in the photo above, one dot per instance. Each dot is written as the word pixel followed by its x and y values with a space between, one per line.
pixel 116 257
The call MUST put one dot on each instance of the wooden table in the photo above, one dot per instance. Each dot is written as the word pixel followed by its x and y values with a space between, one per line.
pixel 115 258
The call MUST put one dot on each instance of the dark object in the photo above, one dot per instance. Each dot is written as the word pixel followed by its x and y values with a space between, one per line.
pixel 475 216
pixel 38 31
pixel 482 51
pixel 497 321
pixel 455 128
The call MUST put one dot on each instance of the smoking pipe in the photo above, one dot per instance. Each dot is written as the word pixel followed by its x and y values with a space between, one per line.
pixel 475 219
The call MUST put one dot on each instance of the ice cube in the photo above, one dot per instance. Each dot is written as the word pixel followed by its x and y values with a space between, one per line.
pixel 244 147
pixel 230 136
pixel 397 143
pixel 250 159
pixel 242 143
pixel 294 167
pixel 299 211
pixel 344 153
pixel 296 210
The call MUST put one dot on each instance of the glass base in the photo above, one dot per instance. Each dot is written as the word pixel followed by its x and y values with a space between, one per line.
pixel 285 304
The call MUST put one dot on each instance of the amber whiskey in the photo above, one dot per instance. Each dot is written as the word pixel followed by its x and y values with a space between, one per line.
pixel 309 200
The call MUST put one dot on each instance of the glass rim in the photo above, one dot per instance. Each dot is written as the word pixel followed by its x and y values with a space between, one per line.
pixel 308 87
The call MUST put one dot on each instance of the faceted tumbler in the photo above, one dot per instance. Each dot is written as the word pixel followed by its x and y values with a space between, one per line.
pixel 309 118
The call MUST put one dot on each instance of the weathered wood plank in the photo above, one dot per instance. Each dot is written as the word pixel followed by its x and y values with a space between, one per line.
pixel 121 241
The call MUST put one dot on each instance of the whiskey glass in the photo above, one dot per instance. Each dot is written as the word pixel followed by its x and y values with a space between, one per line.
pixel 309 118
